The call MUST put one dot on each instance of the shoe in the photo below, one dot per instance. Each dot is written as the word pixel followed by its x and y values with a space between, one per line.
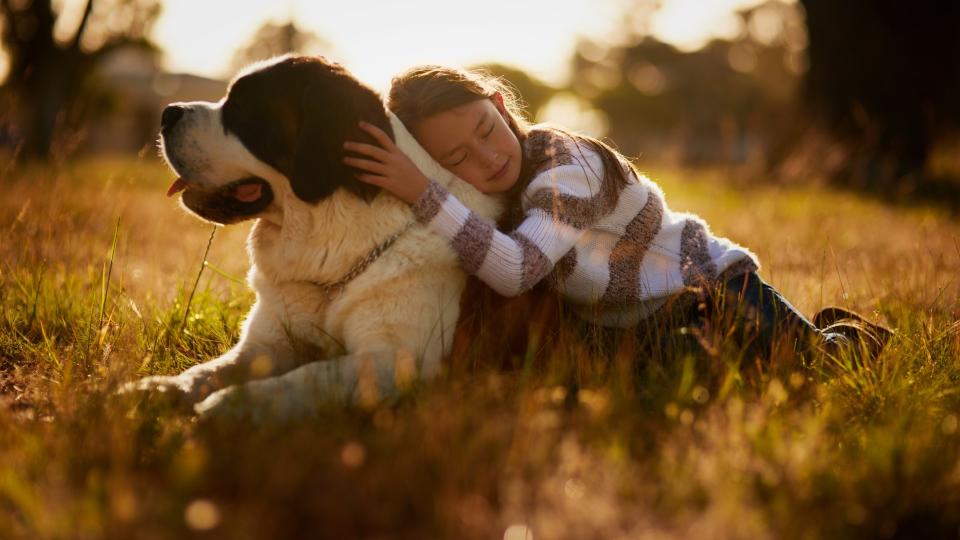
pixel 865 336
pixel 834 314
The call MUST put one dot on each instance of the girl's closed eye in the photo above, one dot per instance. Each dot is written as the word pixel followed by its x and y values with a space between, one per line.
pixel 459 161
pixel 466 154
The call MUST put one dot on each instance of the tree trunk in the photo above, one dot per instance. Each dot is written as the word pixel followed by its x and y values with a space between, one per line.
pixel 883 79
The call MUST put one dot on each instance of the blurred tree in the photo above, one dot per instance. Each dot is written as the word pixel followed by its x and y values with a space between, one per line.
pixel 884 77
pixel 533 92
pixel 273 39
pixel 720 103
pixel 52 48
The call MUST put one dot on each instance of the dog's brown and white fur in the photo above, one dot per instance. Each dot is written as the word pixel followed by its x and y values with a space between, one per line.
pixel 271 151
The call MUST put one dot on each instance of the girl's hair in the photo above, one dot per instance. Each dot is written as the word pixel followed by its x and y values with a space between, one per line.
pixel 424 91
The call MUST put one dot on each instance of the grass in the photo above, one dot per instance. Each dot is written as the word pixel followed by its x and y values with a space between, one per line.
pixel 102 280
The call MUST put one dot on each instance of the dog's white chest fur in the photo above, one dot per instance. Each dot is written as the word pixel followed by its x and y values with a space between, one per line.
pixel 318 244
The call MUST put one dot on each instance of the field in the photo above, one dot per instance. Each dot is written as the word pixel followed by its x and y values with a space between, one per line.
pixel 98 270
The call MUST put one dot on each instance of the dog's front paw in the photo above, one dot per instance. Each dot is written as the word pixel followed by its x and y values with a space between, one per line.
pixel 177 392
pixel 229 405
pixel 258 402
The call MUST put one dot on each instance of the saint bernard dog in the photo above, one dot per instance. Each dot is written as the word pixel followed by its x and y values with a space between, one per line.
pixel 354 299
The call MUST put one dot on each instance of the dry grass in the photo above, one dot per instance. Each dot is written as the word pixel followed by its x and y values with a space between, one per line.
pixel 698 448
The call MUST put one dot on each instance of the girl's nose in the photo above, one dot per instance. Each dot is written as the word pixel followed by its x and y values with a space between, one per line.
pixel 491 158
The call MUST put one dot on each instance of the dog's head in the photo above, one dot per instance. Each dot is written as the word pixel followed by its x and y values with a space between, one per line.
pixel 281 121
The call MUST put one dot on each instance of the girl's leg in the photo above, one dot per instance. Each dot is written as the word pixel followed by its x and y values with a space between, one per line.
pixel 761 318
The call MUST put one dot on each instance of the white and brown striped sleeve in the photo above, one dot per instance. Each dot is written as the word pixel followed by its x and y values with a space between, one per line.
pixel 509 263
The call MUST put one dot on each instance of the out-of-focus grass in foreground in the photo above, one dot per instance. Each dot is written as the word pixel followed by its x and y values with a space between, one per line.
pixel 97 269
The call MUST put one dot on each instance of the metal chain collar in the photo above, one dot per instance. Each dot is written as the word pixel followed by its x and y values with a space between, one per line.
pixel 330 289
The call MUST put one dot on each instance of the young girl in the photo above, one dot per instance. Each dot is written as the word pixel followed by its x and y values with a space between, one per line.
pixel 601 234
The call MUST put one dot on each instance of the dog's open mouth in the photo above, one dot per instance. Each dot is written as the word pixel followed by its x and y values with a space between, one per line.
pixel 247 190
pixel 236 201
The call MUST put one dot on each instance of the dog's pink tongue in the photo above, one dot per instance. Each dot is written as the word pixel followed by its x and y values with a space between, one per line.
pixel 176 187
pixel 247 192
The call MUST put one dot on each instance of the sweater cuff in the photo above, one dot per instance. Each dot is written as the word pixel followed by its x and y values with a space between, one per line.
pixel 430 201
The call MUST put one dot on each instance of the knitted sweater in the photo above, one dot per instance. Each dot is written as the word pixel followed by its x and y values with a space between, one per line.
pixel 619 253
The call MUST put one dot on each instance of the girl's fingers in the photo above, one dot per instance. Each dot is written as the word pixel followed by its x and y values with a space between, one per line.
pixel 378 135
pixel 369 150
pixel 374 179
pixel 367 165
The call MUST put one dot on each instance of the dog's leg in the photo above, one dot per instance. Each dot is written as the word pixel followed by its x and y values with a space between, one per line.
pixel 392 345
pixel 264 350
pixel 362 378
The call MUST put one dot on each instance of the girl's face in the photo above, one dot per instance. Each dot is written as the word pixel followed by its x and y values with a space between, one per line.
pixel 474 142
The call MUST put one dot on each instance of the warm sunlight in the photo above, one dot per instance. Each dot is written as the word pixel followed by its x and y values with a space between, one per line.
pixel 591 269
pixel 377 39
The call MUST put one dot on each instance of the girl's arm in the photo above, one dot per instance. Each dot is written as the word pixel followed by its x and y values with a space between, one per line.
pixel 508 263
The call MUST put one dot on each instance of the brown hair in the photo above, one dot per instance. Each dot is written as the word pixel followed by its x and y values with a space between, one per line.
pixel 424 91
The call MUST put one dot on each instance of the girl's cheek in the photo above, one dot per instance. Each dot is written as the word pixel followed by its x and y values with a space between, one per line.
pixel 510 141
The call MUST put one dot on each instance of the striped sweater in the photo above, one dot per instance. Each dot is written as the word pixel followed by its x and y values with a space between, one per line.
pixel 619 253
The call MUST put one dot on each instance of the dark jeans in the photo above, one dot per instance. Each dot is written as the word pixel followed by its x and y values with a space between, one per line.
pixel 742 315
pixel 763 320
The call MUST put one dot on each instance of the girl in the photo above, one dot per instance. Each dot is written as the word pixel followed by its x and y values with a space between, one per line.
pixel 602 235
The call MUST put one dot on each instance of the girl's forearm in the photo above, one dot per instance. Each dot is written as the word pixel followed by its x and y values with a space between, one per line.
pixel 509 263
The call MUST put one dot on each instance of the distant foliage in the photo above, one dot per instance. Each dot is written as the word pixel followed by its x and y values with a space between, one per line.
pixel 720 103
pixel 884 78
pixel 273 39
pixel 53 50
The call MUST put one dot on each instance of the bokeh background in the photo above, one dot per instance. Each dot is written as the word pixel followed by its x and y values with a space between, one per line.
pixel 822 134
pixel 859 93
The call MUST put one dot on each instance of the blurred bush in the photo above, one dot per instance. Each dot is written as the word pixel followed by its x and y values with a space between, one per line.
pixel 54 50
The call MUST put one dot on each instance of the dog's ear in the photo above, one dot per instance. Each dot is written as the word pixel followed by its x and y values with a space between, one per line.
pixel 332 106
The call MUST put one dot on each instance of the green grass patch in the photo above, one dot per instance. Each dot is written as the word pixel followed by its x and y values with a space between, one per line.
pixel 104 281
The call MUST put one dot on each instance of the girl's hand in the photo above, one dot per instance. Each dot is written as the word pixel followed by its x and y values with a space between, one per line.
pixel 388 167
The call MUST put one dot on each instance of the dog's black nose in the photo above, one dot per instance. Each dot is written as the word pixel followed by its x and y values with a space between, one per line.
pixel 170 116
